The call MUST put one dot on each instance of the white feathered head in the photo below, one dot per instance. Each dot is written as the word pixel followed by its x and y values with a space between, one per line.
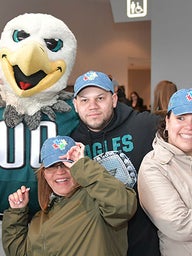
pixel 37 53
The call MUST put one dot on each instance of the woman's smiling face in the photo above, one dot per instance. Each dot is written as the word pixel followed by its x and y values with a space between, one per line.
pixel 180 132
pixel 59 178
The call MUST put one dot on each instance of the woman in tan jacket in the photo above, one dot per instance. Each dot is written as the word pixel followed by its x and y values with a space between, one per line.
pixel 165 178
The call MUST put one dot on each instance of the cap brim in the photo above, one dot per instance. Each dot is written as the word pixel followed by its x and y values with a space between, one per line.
pixel 181 110
pixel 90 84
pixel 49 162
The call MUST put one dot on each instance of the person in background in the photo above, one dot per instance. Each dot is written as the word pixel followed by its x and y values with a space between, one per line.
pixel 118 137
pixel 120 91
pixel 122 96
pixel 137 102
pixel 162 93
pixel 83 207
pixel 165 177
pixel 115 83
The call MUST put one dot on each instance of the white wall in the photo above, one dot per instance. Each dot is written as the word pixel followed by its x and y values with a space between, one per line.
pixel 171 37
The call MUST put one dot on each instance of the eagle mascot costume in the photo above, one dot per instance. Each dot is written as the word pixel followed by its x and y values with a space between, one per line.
pixel 37 53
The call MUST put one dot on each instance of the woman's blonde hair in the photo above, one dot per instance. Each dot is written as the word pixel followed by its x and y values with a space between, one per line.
pixel 163 91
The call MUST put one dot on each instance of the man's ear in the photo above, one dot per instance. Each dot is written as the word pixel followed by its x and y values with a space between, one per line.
pixel 75 104
pixel 115 100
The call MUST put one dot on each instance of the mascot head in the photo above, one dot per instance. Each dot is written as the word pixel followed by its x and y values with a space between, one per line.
pixel 37 53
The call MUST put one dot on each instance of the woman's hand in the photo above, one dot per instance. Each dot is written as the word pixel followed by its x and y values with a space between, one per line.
pixel 20 198
pixel 74 154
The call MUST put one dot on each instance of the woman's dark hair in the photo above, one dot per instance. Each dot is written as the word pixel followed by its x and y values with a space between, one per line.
pixel 162 127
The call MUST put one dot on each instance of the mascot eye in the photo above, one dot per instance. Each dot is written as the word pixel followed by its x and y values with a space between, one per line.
pixel 54 45
pixel 19 35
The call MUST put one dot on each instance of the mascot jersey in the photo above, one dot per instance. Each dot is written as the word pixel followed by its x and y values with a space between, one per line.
pixel 19 154
pixel 37 53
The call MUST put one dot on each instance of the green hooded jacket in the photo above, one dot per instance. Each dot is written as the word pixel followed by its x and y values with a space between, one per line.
pixel 92 222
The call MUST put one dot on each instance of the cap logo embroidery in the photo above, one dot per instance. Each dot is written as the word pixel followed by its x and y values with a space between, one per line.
pixel 90 76
pixel 60 144
pixel 189 96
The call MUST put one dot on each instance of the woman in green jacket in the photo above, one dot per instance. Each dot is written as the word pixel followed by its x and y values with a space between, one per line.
pixel 84 210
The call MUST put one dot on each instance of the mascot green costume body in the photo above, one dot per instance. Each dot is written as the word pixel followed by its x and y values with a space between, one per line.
pixel 37 53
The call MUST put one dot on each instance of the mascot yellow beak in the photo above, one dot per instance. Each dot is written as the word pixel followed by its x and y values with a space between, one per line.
pixel 29 70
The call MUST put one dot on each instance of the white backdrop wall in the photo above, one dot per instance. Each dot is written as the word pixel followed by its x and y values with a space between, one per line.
pixel 171 42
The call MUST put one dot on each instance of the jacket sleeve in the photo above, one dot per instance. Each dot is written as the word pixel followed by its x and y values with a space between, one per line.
pixel 116 203
pixel 162 202
pixel 14 231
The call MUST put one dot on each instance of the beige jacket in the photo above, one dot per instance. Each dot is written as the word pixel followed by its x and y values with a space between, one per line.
pixel 165 191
